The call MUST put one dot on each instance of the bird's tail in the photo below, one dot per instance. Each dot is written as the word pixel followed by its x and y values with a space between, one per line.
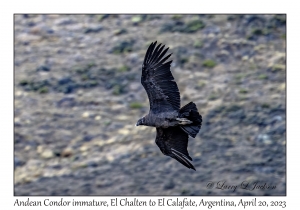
pixel 190 112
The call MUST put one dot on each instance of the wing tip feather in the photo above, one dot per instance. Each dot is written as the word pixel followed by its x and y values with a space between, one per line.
pixel 182 159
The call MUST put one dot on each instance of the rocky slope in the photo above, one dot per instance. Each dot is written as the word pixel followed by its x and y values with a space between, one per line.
pixel 78 96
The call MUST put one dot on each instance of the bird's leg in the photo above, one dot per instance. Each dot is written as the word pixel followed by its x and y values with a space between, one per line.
pixel 183 121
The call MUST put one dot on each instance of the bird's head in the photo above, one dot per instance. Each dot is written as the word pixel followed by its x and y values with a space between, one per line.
pixel 140 121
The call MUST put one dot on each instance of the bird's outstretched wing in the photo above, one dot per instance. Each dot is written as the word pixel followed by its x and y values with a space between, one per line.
pixel 173 142
pixel 158 80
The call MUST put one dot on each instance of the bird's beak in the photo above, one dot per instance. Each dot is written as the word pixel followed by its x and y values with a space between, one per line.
pixel 136 125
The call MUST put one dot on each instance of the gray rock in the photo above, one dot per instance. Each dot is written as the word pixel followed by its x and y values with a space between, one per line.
pixel 47 154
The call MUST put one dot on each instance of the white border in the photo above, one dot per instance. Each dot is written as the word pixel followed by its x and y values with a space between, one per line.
pixel 154 6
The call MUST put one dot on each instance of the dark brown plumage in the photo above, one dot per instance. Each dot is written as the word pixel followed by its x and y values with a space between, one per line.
pixel 173 125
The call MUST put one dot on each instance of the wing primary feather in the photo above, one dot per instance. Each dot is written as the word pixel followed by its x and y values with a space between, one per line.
pixel 162 54
pixel 147 54
pixel 183 161
pixel 154 54
pixel 160 51
pixel 150 52
pixel 163 68
pixel 188 157
pixel 162 61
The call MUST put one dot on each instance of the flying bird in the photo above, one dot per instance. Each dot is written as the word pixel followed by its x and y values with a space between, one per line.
pixel 173 124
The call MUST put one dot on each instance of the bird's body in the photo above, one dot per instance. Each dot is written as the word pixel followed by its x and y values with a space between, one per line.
pixel 173 124
pixel 163 119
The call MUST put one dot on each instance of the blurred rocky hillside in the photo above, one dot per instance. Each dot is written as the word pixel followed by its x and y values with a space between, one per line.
pixel 78 96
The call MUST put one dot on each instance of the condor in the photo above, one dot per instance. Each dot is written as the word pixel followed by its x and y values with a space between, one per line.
pixel 173 124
